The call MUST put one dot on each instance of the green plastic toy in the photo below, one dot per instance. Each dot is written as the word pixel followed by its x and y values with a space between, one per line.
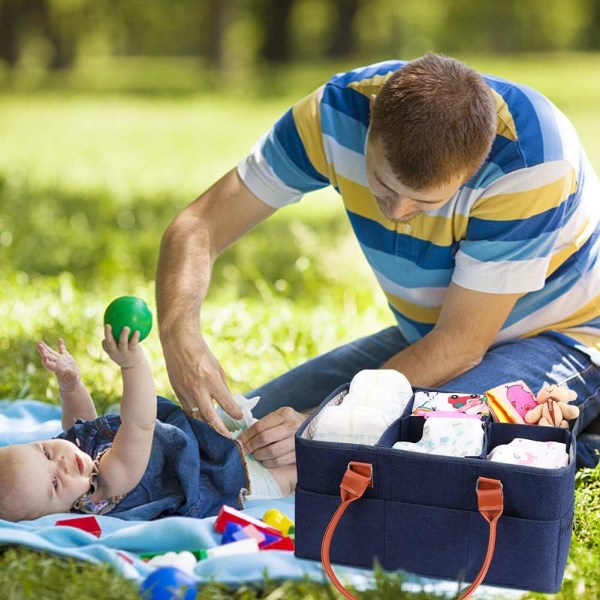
pixel 128 311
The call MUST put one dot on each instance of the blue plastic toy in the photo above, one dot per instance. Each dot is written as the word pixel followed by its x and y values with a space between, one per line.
pixel 168 583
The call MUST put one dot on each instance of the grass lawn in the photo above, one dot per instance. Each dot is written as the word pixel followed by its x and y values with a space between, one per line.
pixel 89 181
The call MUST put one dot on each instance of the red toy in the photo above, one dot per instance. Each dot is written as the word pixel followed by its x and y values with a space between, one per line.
pixel 228 514
pixel 284 543
pixel 88 524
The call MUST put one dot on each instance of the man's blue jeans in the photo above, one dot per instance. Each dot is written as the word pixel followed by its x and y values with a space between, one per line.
pixel 537 360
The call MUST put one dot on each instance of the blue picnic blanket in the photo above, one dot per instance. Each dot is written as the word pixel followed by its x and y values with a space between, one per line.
pixel 121 542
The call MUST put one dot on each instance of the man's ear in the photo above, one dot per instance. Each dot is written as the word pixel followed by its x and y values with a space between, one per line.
pixel 372 101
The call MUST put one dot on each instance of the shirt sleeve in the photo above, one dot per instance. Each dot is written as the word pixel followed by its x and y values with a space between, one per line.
pixel 289 160
pixel 516 227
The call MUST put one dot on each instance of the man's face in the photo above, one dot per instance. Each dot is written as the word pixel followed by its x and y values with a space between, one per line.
pixel 52 475
pixel 397 202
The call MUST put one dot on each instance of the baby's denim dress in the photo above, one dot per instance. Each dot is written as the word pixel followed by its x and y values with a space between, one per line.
pixel 192 471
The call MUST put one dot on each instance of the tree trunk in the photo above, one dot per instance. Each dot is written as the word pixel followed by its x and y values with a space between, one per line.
pixel 592 39
pixel 10 20
pixel 63 42
pixel 219 16
pixel 343 40
pixel 275 23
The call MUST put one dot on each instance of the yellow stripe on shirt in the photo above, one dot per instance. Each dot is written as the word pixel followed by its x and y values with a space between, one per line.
pixel 505 125
pixel 526 203
pixel 308 123
pixel 421 314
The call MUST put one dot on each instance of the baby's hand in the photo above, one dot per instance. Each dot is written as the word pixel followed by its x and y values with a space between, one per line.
pixel 126 353
pixel 62 364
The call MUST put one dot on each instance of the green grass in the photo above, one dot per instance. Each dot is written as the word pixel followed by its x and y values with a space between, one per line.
pixel 89 179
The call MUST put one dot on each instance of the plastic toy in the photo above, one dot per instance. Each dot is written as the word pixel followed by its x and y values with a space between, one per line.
pixel 168 583
pixel 553 408
pixel 197 554
pixel 131 312
pixel 184 561
pixel 275 518
pixel 228 514
pixel 233 533
pixel 247 546
pixel 284 543
pixel 89 524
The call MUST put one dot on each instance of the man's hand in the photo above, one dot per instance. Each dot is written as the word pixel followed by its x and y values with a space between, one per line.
pixel 62 364
pixel 271 439
pixel 198 379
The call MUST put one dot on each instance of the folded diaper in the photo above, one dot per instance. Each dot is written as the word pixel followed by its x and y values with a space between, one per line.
pixel 384 389
pixel 351 424
pixel 520 451
pixel 450 437
pixel 369 380
pixel 375 399
pixel 387 401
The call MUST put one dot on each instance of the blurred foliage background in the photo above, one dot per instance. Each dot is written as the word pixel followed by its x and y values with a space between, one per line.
pixel 225 40
pixel 115 114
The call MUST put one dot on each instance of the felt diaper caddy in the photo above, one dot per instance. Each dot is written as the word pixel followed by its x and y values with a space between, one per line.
pixel 464 518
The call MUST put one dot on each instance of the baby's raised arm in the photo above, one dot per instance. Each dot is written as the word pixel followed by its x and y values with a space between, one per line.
pixel 123 466
pixel 75 399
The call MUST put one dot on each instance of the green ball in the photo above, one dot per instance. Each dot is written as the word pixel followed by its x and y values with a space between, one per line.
pixel 128 311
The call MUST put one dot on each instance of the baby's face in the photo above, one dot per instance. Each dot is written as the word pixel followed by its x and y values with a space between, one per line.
pixel 53 474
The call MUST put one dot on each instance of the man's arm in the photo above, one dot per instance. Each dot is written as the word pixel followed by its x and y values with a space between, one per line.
pixel 188 250
pixel 467 326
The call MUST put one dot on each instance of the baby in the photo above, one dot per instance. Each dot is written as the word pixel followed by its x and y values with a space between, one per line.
pixel 151 461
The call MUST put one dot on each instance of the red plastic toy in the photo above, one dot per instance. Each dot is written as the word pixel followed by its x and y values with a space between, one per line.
pixel 228 514
pixel 88 524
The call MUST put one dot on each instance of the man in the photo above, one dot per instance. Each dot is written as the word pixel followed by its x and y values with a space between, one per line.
pixel 474 204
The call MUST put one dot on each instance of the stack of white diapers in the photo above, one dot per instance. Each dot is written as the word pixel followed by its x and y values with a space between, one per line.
pixel 376 398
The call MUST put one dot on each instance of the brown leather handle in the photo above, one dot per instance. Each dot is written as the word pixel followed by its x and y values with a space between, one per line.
pixel 359 476
pixel 490 500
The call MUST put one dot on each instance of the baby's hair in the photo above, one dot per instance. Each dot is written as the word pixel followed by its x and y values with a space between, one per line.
pixel 11 508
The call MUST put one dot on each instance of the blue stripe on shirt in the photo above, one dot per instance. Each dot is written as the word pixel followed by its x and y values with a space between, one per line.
pixel 402 271
pixel 506 155
pixel 517 229
pixel 285 153
pixel 551 140
pixel 527 124
pixel 346 131
pixel 348 102
pixel 494 251
pixel 422 253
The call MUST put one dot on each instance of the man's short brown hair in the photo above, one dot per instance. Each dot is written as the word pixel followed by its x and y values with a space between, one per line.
pixel 436 119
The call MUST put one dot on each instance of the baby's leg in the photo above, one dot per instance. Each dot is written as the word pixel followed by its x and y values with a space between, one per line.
pixel 286 477
pixel 269 483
